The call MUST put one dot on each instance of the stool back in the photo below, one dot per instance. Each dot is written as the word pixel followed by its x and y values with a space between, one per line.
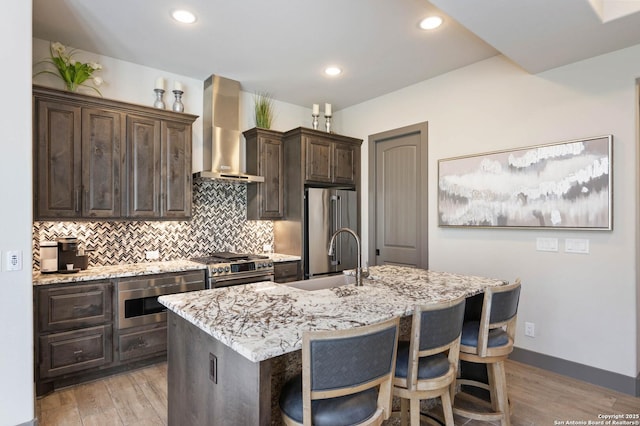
pixel 435 329
pixel 344 362
pixel 499 310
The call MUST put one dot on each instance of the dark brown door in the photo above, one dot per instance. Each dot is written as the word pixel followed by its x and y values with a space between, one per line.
pixel 398 196
pixel 143 167
pixel 176 174
pixel 58 152
pixel 101 159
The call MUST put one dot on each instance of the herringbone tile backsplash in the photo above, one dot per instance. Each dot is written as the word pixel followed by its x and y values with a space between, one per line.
pixel 219 223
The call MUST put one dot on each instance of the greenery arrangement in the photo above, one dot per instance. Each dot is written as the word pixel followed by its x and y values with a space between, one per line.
pixel 263 104
pixel 72 72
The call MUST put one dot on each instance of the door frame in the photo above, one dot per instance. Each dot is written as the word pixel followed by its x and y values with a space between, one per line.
pixel 421 129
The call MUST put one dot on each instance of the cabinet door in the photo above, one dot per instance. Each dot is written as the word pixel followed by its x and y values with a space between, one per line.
pixel 74 306
pixel 72 351
pixel 176 170
pixel 143 167
pixel 57 174
pixel 101 159
pixel 345 164
pixel 270 167
pixel 142 342
pixel 318 160
pixel 285 272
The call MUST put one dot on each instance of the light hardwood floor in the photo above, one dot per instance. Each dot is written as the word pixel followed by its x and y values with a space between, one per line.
pixel 538 397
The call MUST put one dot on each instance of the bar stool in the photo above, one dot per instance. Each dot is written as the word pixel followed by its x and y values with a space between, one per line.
pixel 346 377
pixel 426 365
pixel 488 343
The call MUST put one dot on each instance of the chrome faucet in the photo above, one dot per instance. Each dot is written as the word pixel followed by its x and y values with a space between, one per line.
pixel 359 272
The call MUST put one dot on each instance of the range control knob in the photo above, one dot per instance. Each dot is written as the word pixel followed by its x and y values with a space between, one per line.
pixel 227 268
pixel 220 270
pixel 270 264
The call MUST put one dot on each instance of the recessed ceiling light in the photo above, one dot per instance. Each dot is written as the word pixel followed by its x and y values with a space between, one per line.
pixel 183 16
pixel 332 71
pixel 431 22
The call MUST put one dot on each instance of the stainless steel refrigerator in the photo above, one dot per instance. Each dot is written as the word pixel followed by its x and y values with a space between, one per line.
pixel 327 210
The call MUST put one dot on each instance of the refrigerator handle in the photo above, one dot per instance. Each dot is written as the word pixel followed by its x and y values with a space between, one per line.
pixel 333 228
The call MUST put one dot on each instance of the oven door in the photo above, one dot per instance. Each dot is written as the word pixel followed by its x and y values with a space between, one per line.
pixel 217 282
pixel 138 298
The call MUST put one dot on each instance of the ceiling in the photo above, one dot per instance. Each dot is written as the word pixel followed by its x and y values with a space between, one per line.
pixel 282 46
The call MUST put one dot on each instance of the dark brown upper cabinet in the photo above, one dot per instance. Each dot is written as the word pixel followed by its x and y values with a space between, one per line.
pixel 96 158
pixel 265 157
pixel 159 168
pixel 328 159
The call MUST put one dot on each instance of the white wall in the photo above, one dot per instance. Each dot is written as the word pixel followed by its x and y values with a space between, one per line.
pixel 16 333
pixel 584 306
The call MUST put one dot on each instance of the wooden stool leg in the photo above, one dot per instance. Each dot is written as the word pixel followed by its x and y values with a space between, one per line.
pixel 502 398
pixel 404 411
pixel 415 412
pixel 447 409
pixel 498 389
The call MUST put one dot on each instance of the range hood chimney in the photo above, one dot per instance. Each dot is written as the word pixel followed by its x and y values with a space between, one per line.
pixel 221 139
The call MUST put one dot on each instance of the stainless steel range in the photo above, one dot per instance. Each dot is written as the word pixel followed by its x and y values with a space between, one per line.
pixel 226 269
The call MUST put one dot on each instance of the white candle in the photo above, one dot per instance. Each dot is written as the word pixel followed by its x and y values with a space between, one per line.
pixel 327 110
pixel 178 86
pixel 316 109
pixel 159 83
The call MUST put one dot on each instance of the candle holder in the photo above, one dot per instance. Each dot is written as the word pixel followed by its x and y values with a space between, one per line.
pixel 159 103
pixel 177 105
pixel 315 121
pixel 327 123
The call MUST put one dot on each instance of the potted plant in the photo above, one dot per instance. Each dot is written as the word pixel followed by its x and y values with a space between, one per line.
pixel 73 73
pixel 263 106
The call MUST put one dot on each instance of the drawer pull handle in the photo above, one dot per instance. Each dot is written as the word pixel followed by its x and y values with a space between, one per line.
pixel 78 352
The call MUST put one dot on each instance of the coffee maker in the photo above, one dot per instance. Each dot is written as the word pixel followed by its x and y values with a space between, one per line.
pixel 68 257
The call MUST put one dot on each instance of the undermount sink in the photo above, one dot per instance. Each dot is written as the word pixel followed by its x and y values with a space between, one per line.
pixel 324 282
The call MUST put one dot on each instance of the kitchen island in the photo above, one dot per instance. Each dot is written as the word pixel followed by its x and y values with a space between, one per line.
pixel 230 350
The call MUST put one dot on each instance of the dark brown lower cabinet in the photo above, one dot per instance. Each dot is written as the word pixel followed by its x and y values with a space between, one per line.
pixel 72 351
pixel 77 338
pixel 143 341
pixel 285 272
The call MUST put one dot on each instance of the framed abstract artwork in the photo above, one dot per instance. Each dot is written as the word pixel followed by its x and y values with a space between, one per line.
pixel 565 185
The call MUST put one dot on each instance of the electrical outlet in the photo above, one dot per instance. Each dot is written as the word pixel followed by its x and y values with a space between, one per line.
pixel 576 245
pixel 14 260
pixel 529 329
pixel 152 254
pixel 547 244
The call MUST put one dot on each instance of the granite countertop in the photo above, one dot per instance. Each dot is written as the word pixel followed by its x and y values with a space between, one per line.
pixel 265 320
pixel 279 257
pixel 133 269
pixel 117 271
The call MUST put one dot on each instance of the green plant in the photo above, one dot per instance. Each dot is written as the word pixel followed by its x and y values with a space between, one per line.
pixel 72 72
pixel 263 104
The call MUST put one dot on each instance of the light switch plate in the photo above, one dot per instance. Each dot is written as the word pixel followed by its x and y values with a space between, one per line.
pixel 547 244
pixel 13 260
pixel 576 245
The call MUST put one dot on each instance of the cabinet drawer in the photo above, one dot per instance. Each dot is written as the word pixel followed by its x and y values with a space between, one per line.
pixel 64 353
pixel 63 308
pixel 285 271
pixel 141 343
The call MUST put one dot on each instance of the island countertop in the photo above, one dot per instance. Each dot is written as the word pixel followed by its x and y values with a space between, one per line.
pixel 265 320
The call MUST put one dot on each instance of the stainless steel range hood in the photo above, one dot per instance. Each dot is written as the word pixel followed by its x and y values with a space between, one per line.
pixel 221 139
